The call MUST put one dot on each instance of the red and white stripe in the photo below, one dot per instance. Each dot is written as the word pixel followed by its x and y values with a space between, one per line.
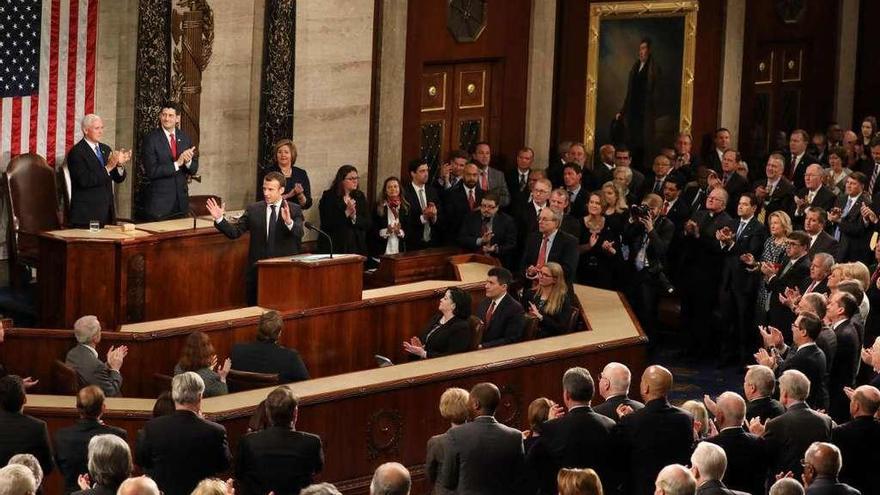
pixel 47 122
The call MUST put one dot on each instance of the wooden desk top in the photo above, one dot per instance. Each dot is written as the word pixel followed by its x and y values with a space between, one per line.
pixel 185 321
pixel 175 225
pixel 101 235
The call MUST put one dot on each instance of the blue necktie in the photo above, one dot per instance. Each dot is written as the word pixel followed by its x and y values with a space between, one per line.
pixel 98 153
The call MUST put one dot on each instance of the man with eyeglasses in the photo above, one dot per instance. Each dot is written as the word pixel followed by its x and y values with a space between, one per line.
pixel 794 271
pixel 549 244
pixel 489 231
pixel 822 463
pixel 614 383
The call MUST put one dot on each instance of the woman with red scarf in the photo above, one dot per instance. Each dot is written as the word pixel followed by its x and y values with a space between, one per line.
pixel 389 218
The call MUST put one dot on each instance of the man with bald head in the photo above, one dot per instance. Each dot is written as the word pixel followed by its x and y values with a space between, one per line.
pixel 391 478
pixel 483 456
pixel 747 457
pixel 140 485
pixel 822 463
pixel 858 440
pixel 614 382
pixel 655 436
pixel 674 479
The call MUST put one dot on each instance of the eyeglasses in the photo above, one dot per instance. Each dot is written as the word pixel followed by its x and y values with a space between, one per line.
pixel 353 179
pixel 546 275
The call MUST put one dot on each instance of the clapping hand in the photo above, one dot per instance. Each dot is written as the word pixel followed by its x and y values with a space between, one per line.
pixel 187 155
pixel 791 298
pixel 710 404
pixel 608 246
pixel 623 409
pixel 534 311
pixel 486 237
pixel 748 259
pixel 764 358
pixel 768 269
pixel 115 356
pixel 556 411
pixel 415 346
pixel 84 482
pixel 756 427
pixel 868 356
pixel 868 214
pixel 215 209
pixel 29 382
pixel 350 206
pixel 532 272
pixel 430 212
pixel 222 371
pixel 771 336
pixel 835 214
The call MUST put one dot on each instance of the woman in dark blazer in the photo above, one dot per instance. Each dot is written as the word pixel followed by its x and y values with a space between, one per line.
pixel 390 216
pixel 345 216
pixel 599 246
pixel 297 188
pixel 550 302
pixel 448 332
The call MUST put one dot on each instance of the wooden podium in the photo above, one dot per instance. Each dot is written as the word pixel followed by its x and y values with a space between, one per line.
pixel 309 281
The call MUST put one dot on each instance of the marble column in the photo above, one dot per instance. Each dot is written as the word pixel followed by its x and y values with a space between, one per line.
pixel 539 95
pixel 731 77
pixel 847 53
pixel 391 90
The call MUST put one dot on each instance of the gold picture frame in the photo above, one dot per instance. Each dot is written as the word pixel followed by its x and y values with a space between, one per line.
pixel 634 10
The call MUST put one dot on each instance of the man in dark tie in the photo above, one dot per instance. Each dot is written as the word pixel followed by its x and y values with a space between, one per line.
pixel 685 163
pixel 858 438
pixel 655 179
pixel 94 167
pixel 502 315
pixel 734 183
pixel 549 244
pixel 794 273
pixel 814 225
pixel 694 194
pixel 813 194
pixel 798 158
pixel 276 228
pixel 526 214
pixel 775 192
pixel 450 173
pixel 489 231
pixel 458 202
pixel 721 144
pixel 871 169
pixel 603 171
pixel 169 159
pixel 424 202
pixel 847 223
pixel 847 355
pixel 577 194
pixel 518 178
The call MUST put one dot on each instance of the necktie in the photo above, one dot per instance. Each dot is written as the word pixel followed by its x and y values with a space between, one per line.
pixel 542 253
pixel 726 178
pixel 874 277
pixel 486 226
pixel 849 205
pixel 874 178
pixel 641 260
pixel 490 312
pixel 426 231
pixel 173 142
pixel 786 268
pixel 484 180
pixel 665 208
pixel 270 233
pixel 523 179
pixel 99 154
pixel 742 226
pixel 769 190
pixel 422 201
pixel 472 202
pixel 812 287
pixel 792 167
pixel 658 185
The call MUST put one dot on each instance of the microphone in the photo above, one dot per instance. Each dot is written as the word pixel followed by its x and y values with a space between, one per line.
pixel 310 226
pixel 192 213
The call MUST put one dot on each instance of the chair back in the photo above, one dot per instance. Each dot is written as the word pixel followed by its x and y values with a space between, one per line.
pixel 531 327
pixel 33 203
pixel 574 320
pixel 476 325
pixel 163 382
pixel 239 381
pixel 65 379
pixel 198 204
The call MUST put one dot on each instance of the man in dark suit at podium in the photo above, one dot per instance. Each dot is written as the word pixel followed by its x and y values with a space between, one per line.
pixel 266 356
pixel 94 167
pixel 169 159
pixel 276 228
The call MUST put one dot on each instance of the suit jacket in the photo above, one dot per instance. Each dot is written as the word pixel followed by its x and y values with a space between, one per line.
pixel 23 434
pixel 658 242
pixel 564 251
pixel 678 214
pixel 181 449
pixel 747 459
pixel 712 161
pixel 694 197
pixel 854 234
pixel 856 439
pixel 823 198
pixel 798 275
pixel 507 324
pixel 278 459
pixel 347 237
pixel 452 337
pixel 483 457
pixel 415 229
pixel 648 185
pixel 764 408
pixel 526 218
pixel 801 169
pixel 830 486
pixel 72 448
pixel 809 360
pixel 789 435
pixel 651 438
pixel 497 185
pixel 703 258
pixel 734 276
pixel 827 341
pixel 287 241
pixel 97 490
pixel 93 371
pixel 782 198
pixel 824 243
pixel 609 407
pixel 517 193
pixel 91 195
pixel 456 209
pixel 844 368
pixel 168 192
pixel 503 235
pixel 435 451
pixel 716 487
pixel 580 439
pixel 735 187
pixel 578 204
pixel 269 357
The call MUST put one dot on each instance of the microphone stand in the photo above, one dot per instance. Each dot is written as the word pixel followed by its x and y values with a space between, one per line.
pixel 309 226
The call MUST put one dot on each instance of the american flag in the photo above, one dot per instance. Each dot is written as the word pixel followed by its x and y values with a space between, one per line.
pixel 47 75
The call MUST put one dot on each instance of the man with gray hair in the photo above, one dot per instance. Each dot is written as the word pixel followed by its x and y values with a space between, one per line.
pixel 747 456
pixel 858 438
pixel 791 433
pixel 708 464
pixel 675 479
pixel 30 462
pixel 16 479
pixel 141 485
pixel 390 478
pixel 550 244
pixel 109 463
pixel 614 383
pixel 787 486
pixel 84 357
pixel 758 388
pixel 181 449
pixel 822 463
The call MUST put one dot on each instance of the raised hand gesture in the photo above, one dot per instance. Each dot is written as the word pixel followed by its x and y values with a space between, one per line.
pixel 285 213
pixel 215 209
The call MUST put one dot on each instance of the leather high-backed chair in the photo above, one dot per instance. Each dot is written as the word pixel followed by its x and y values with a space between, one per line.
pixel 239 381
pixel 33 208
pixel 197 204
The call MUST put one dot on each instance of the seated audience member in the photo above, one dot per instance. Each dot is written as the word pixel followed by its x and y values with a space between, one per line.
pixel 550 302
pixel 549 244
pixel 72 443
pixel 141 485
pixel 16 479
pixel 599 246
pixel 701 419
pixel 390 218
pixel 615 202
pixel 502 315
pixel 198 355
pixel 164 405
pixel 33 466
pixel 390 478
pixel 454 409
pixel 449 331
pixel 578 482
pixel 182 449
pixel 279 459
pixel 297 188
pixel 856 440
pixel 792 432
pixel 675 479
pixel 579 439
pixel 489 231
pixel 787 486
pixel 758 387
pixel 708 464
pixel 623 179
pixel 656 435
pixel 847 355
pixel 20 433
pixel 345 214
pixel 320 489
pixel 84 357
pixel 211 486
pixel 109 465
pixel 265 355
pixel 822 463
pixel 424 202
pixel 483 456
pixel 746 453
pixel 614 382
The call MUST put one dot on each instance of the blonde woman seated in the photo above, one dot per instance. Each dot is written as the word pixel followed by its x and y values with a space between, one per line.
pixel 453 408
pixel 199 356
pixel 550 301
pixel 578 482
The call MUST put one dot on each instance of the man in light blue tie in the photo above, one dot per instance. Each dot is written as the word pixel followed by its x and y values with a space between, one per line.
pixel 94 167
pixel 850 228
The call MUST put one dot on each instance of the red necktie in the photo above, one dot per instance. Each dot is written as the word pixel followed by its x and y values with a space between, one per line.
pixel 490 312
pixel 173 143
pixel 484 181
pixel 665 208
pixel 542 253
pixel 471 201
pixel 874 277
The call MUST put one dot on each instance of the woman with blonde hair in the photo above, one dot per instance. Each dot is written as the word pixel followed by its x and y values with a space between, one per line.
pixel 779 224
pixel 599 245
pixel 701 419
pixel 198 355
pixel 213 486
pixel 550 301
pixel 578 482
pixel 454 409
pixel 297 187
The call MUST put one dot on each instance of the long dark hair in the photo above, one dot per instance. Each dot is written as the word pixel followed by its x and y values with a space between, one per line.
pixel 344 170
pixel 404 204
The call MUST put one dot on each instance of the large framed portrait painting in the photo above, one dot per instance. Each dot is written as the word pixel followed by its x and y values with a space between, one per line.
pixel 640 66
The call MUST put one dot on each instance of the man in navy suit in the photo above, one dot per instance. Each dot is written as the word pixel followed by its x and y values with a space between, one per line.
pixel 265 355
pixel 94 167
pixel 169 159
pixel 276 227
pixel 489 231
pixel 550 244
pixel 502 315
